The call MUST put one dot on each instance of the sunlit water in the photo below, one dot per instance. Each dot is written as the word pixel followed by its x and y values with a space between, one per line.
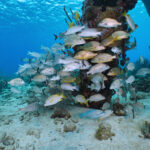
pixel 25 25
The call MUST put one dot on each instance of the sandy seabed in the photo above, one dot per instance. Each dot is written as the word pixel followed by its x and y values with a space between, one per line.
pixel 37 131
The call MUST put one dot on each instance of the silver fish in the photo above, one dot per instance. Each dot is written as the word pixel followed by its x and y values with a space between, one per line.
pixel 109 23
pixel 116 84
pixel 31 107
pixel 73 40
pixel 131 66
pixel 55 78
pixel 16 82
pixel 84 65
pixel 67 60
pixel 106 106
pixel 98 68
pixel 96 98
pixel 34 54
pixel 39 78
pixel 116 50
pixel 71 67
pixel 48 71
pixel 15 90
pixel 95 87
pixel 57 47
pixel 143 72
pixel 30 72
pixel 81 99
pixel 98 83
pixel 64 74
pixel 130 79
pixel 22 68
pixel 90 32
pixel 97 79
pixel 79 65
pixel 54 99
pixel 130 22
pixel 36 89
pixel 141 59
pixel 69 87
pixel 74 29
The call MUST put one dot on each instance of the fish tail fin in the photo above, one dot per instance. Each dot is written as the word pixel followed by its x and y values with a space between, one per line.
pixel 124 14
pixel 136 26
pixel 87 104
pixel 63 94
pixel 71 24
pixel 55 36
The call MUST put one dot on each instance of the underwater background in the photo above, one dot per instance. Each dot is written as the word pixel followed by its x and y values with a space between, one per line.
pixel 79 91
pixel 25 25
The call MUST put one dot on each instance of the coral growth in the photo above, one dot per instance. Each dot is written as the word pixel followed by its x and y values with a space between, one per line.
pixel 69 127
pixel 118 109
pixel 60 112
pixel 104 132
pixel 102 8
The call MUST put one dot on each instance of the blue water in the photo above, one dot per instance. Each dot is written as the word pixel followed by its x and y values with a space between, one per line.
pixel 142 33
pixel 25 25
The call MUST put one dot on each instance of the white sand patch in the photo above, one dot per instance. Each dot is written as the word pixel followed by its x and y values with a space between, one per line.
pixel 41 132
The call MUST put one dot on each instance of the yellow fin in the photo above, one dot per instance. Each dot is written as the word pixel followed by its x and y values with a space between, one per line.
pixel 113 39
pixel 87 105
pixel 116 38
pixel 77 16
pixel 71 24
